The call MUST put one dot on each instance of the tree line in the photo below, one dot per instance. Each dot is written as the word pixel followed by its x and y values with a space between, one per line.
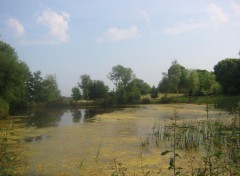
pixel 225 79
pixel 21 87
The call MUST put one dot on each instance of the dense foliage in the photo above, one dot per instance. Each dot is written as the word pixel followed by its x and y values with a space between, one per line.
pixel 18 86
pixel 190 82
pixel 228 75
pixel 13 76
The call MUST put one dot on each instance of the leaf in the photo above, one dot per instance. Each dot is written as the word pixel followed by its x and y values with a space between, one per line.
pixel 165 152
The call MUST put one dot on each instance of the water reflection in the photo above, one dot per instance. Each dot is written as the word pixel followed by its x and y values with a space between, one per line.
pixel 46 117
pixel 77 115
pixel 41 118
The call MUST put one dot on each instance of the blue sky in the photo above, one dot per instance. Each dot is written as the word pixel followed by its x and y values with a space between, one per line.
pixel 74 37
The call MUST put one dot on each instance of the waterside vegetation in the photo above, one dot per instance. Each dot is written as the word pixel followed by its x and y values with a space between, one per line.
pixel 19 87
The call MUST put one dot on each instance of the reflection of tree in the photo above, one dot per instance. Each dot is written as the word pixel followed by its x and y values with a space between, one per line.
pixel 77 115
pixel 45 117
pixel 90 113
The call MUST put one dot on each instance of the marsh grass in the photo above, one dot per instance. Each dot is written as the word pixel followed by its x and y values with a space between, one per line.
pixel 7 157
pixel 214 141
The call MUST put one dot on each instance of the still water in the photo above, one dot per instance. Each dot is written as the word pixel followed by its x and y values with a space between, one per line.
pixel 93 141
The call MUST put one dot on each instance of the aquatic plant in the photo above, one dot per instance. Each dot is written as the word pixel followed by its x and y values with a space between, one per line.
pixel 119 169
pixel 7 157
pixel 175 155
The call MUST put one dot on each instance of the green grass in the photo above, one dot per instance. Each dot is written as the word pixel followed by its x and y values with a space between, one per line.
pixel 4 108
pixel 228 103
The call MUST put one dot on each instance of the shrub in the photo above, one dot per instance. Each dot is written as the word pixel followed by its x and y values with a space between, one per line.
pixel 146 100
pixel 165 99
pixel 4 108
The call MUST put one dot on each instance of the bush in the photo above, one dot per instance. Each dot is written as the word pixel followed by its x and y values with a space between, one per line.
pixel 4 108
pixel 146 101
pixel 165 99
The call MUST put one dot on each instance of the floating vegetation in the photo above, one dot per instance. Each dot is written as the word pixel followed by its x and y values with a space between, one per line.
pixel 190 144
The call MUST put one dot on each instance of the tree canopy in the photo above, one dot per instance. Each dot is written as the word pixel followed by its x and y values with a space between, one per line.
pixel 227 74
pixel 13 75
pixel 190 82
pixel 121 76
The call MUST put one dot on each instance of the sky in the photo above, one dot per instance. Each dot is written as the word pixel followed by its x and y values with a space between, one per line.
pixel 69 38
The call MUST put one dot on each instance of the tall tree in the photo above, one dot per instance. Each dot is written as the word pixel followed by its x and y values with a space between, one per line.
pixel 51 90
pixel 97 90
pixel 121 76
pixel 207 83
pixel 13 75
pixel 76 93
pixel 42 90
pixel 227 74
pixel 142 86
pixel 193 83
pixel 35 87
pixel 164 85
pixel 84 85
pixel 174 75
pixel 154 92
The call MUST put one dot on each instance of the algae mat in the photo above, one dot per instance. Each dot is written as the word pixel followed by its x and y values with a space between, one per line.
pixel 108 143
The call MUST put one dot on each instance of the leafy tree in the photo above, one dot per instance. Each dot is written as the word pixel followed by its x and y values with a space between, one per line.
pixel 133 92
pixel 42 90
pixel 84 85
pixel 51 90
pixel 121 76
pixel 193 82
pixel 76 93
pixel 13 76
pixel 35 88
pixel 207 83
pixel 97 90
pixel 174 75
pixel 143 87
pixel 227 74
pixel 128 89
pixel 154 92
pixel 164 85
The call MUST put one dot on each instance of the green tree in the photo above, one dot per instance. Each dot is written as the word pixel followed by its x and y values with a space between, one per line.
pixel 193 82
pixel 76 93
pixel 97 90
pixel 84 85
pixel 42 90
pixel 35 87
pixel 207 83
pixel 133 92
pixel 51 91
pixel 227 74
pixel 164 85
pixel 127 88
pixel 121 76
pixel 154 92
pixel 13 76
pixel 174 75
pixel 142 86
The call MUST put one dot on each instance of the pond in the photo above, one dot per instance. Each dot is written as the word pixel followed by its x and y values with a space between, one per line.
pixel 95 141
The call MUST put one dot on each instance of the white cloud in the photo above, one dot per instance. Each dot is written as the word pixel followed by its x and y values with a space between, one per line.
pixel 57 23
pixel 216 14
pixel 236 8
pixel 16 26
pixel 115 34
pixel 184 27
